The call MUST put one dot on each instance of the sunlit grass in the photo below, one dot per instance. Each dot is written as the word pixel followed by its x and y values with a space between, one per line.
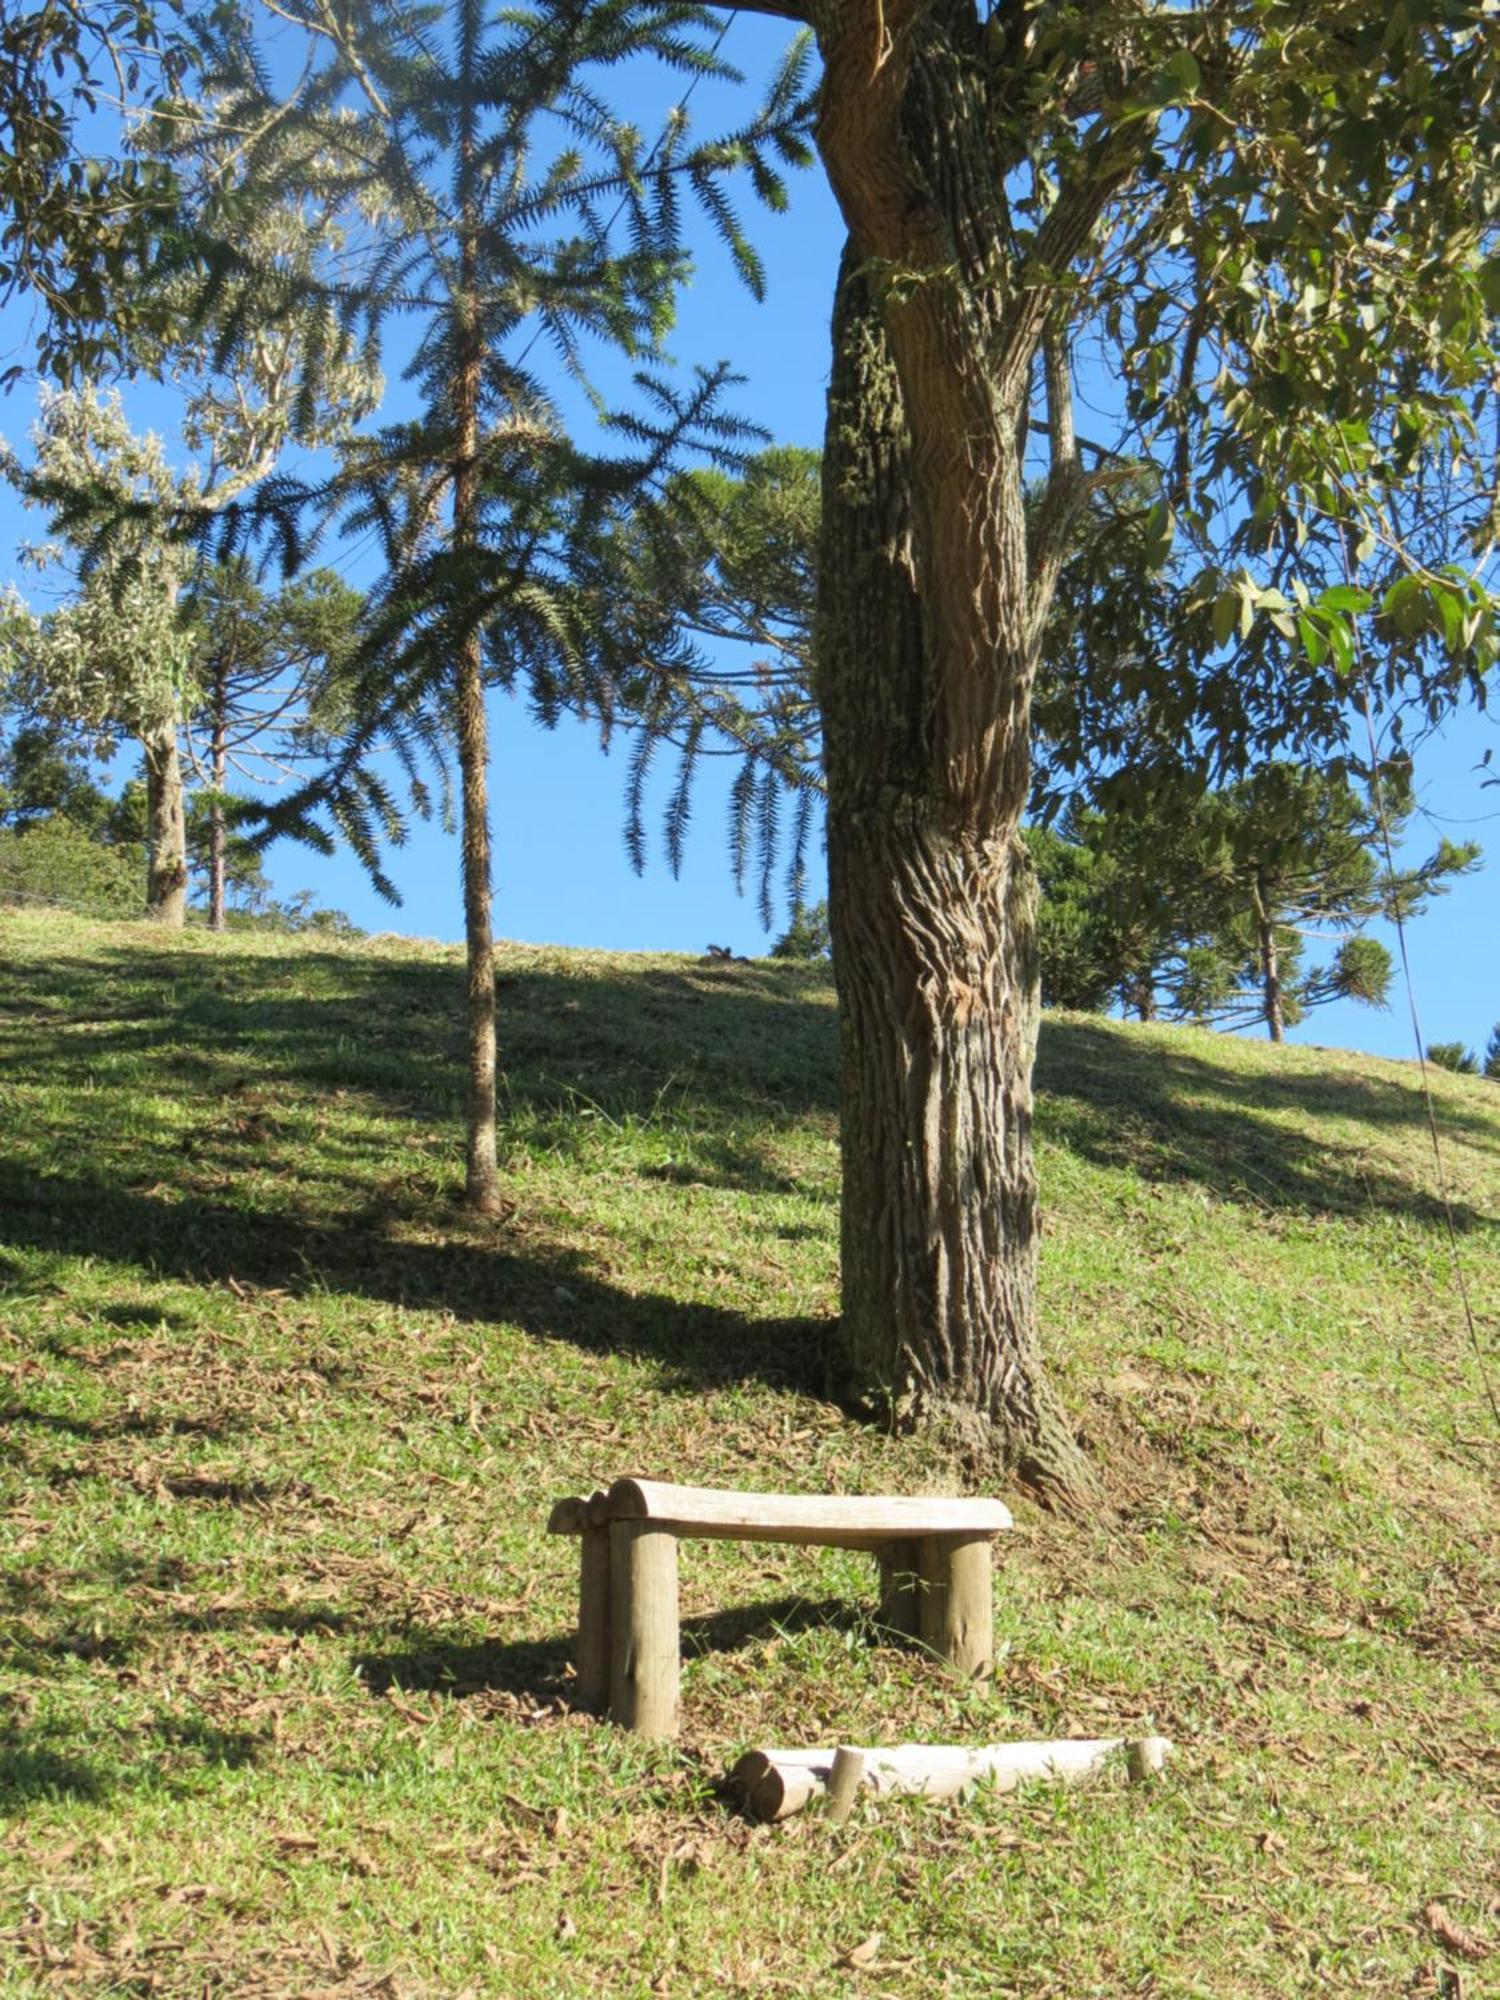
pixel 284 1661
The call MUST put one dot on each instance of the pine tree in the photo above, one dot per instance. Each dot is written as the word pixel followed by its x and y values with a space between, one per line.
pixel 699 639
pixel 496 204
pixel 1453 1056
pixel 1291 855
pixel 272 673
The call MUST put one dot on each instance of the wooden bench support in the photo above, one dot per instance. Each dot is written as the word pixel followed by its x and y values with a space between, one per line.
pixel 646 1647
pixel 595 1642
pixel 901 1588
pixel 957 1604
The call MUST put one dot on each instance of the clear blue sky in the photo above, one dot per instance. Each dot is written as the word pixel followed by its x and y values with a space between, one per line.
pixel 561 873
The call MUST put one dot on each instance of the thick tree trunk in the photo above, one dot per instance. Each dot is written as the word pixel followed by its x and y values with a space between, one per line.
pixel 166 829
pixel 934 591
pixel 932 912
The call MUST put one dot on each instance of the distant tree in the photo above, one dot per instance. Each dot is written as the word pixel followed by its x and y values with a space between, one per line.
pixel 272 694
pixel 1492 1054
pixel 114 658
pixel 52 859
pixel 806 936
pixel 63 838
pixel 44 770
pixel 1289 855
pixel 1453 1056
pixel 1077 940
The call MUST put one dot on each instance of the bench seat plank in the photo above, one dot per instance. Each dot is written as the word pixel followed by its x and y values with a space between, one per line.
pixel 851 1521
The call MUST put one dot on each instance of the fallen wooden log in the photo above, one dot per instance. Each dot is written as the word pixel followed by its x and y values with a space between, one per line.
pixel 773 1784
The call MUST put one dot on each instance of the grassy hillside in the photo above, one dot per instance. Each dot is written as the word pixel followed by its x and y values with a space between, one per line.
pixel 284 1650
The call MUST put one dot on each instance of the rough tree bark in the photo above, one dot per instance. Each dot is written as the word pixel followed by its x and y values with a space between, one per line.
pixel 166 829
pixel 935 591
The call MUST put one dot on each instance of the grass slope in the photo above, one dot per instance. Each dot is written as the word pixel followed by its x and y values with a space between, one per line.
pixel 284 1651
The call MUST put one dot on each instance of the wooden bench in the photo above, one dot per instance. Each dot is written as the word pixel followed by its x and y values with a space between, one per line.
pixel 935 1574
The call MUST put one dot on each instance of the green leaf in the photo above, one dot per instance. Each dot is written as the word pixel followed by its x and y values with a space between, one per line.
pixel 1183 69
pixel 1344 597
pixel 1226 611
pixel 1314 643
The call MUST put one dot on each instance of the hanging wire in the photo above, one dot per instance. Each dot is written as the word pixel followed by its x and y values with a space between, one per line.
pixel 1378 797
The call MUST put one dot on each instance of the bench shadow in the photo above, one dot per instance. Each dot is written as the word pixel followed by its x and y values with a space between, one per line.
pixel 541 1670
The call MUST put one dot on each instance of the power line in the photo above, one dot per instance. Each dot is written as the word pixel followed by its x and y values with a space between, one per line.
pixel 1377 795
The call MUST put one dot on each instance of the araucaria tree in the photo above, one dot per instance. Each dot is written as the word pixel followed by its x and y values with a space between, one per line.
pixel 1276 218
pixel 1290 855
pixel 481 179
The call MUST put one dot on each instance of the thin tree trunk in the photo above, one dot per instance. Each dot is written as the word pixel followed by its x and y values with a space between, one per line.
pixel 217 838
pixel 482 1178
pixel 1270 973
pixel 166 829
pixel 929 621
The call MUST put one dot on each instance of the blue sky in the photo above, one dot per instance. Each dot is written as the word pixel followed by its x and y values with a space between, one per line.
pixel 561 873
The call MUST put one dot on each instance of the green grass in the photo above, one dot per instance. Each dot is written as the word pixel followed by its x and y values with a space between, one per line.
pixel 284 1651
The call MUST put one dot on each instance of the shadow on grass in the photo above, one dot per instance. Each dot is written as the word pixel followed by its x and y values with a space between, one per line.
pixel 129 1424
pixel 540 1670
pixel 31 1773
pixel 717 1051
pixel 1172 1114
pixel 551 1297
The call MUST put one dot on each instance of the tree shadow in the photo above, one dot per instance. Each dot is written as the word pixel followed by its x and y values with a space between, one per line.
pixel 1172 1114
pixel 31 1773
pixel 127 1424
pixel 717 1056
pixel 394 1029
pixel 549 1295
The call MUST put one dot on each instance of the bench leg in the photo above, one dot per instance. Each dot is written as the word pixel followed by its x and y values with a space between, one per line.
pixel 958 1612
pixel 901 1588
pixel 645 1645
pixel 594 1622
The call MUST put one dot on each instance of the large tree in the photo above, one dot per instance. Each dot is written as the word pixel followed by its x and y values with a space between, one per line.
pixel 1275 219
